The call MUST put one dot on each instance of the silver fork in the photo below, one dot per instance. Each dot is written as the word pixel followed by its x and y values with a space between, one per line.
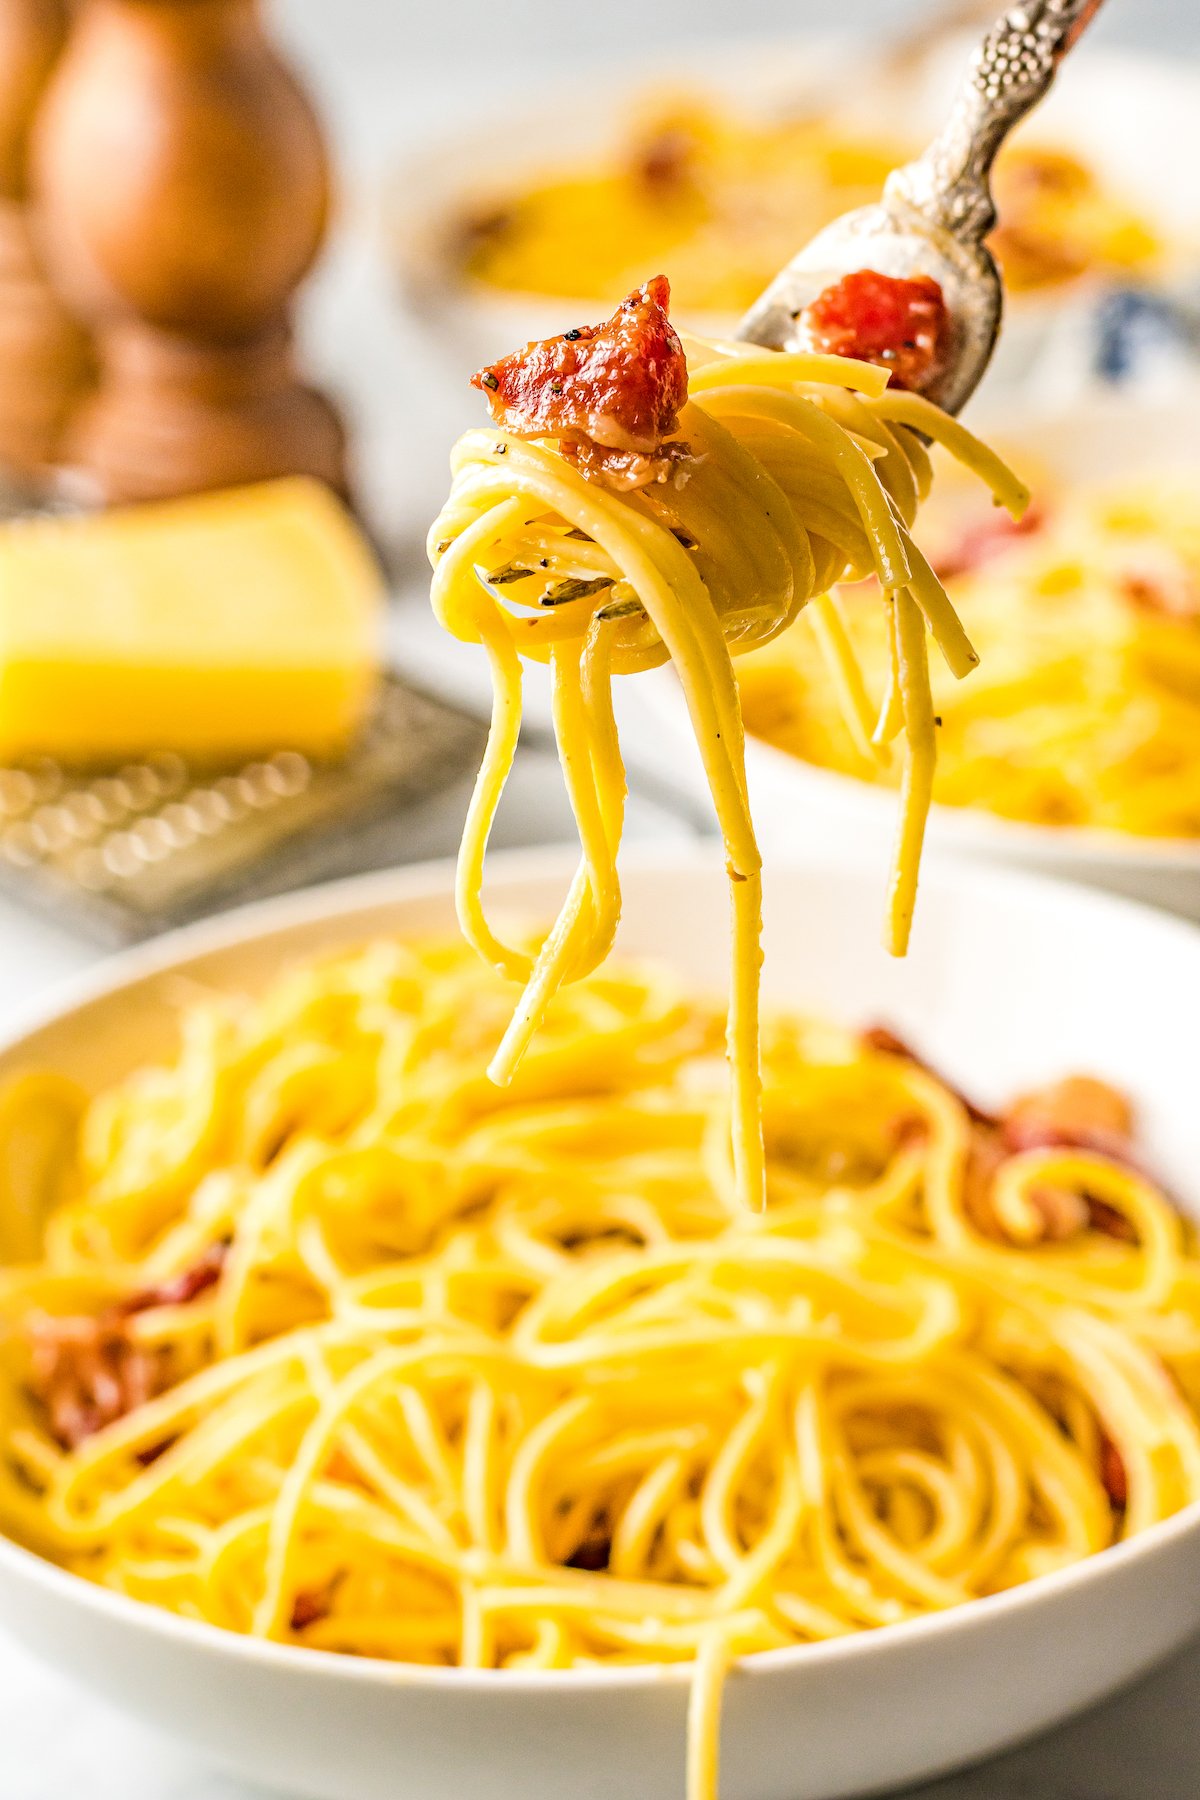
pixel 937 211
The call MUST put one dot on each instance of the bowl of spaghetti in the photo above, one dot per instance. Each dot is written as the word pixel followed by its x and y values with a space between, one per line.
pixel 384 1432
pixel 721 168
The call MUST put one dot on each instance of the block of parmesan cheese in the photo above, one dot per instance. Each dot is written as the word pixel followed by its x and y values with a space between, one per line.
pixel 225 625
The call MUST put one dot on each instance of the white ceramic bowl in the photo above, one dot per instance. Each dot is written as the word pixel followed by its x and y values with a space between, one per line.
pixel 1120 112
pixel 1010 980
pixel 796 804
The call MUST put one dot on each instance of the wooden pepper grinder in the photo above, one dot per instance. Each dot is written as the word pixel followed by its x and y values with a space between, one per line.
pixel 44 355
pixel 183 193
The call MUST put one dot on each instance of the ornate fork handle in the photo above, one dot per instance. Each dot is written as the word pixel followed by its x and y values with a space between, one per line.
pixel 1011 70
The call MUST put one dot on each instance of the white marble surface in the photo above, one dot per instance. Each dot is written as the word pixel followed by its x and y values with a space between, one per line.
pixel 385 73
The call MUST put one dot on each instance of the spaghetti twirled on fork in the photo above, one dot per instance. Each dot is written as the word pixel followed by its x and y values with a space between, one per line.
pixel 628 509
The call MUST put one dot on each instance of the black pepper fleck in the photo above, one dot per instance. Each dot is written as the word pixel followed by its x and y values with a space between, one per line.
pixel 572 335
pixel 489 380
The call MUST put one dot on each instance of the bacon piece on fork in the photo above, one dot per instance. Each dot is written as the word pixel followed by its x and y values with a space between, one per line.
pixel 902 326
pixel 611 394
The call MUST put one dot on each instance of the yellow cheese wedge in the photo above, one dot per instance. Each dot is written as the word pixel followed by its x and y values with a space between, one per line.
pixel 225 625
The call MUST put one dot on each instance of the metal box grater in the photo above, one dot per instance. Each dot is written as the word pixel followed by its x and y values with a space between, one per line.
pixel 126 853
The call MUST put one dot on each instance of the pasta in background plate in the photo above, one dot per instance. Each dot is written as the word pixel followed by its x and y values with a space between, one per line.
pixel 1086 708
pixel 723 201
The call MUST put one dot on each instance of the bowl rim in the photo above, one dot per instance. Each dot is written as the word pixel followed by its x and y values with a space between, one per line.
pixel 433 882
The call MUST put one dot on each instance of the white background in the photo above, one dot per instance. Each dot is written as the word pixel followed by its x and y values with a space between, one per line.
pixel 511 33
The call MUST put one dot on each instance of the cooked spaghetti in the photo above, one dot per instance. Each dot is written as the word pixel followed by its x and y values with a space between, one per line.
pixel 1085 711
pixel 632 507
pixel 334 1342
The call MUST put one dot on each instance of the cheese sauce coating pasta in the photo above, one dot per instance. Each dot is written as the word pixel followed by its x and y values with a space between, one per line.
pixel 334 1342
